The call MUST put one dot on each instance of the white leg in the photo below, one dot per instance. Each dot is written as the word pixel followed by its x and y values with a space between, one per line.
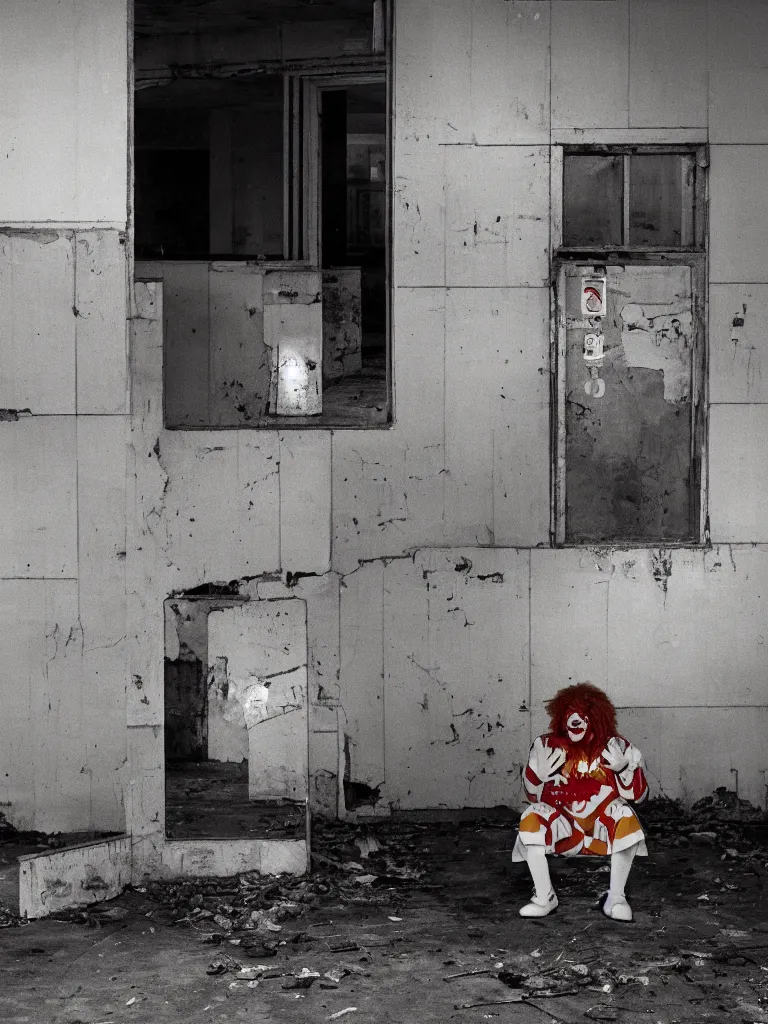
pixel 616 905
pixel 544 900
pixel 536 860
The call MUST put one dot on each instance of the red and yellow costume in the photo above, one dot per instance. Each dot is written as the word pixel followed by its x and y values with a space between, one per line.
pixel 580 806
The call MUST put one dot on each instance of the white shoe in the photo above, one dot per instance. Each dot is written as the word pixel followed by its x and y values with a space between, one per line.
pixel 540 907
pixel 617 908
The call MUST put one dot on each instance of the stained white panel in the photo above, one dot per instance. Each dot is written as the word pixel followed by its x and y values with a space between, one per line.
pixel 37 328
pixel 220 515
pixel 431 64
pixel 361 676
pixel 100 300
pixel 64 111
pixel 738 473
pixel 305 501
pixel 145 785
pixel 569 608
pixel 501 74
pixel 668 79
pixel 687 627
pixel 590 64
pixel 497 458
pixel 738 343
pixel 101 450
pixel 738 213
pixel 42 749
pixel 456 676
pixel 418 336
pixel 497 216
pixel 239 361
pixel 38 517
pixel 690 752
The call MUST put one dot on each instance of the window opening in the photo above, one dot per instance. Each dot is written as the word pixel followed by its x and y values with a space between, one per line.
pixel 262 203
pixel 629 349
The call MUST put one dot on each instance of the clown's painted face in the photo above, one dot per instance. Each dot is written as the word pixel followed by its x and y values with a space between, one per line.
pixel 576 726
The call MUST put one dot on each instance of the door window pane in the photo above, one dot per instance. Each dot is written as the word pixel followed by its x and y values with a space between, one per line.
pixel 592 194
pixel 661 199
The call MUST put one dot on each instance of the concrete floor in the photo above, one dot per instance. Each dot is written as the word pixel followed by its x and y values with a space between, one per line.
pixel 699 941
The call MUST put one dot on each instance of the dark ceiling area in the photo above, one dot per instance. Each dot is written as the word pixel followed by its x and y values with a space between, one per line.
pixel 160 17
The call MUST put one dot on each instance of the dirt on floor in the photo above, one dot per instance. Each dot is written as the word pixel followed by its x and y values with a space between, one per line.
pixel 416 921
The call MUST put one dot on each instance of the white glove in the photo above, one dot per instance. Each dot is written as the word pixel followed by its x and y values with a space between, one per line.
pixel 553 759
pixel 614 756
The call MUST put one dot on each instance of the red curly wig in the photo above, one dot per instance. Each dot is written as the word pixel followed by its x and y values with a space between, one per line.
pixel 591 703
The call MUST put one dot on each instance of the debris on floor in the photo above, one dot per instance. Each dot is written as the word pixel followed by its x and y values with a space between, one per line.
pixel 423 916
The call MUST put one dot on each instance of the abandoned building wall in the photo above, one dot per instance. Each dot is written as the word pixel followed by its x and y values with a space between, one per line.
pixel 63 414
pixel 438 616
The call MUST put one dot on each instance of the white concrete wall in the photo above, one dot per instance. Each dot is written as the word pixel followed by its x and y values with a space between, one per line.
pixel 63 366
pixel 439 618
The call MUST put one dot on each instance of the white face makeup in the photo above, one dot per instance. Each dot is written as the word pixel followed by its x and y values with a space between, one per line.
pixel 576 727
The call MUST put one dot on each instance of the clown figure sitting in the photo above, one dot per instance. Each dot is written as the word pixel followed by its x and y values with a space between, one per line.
pixel 579 778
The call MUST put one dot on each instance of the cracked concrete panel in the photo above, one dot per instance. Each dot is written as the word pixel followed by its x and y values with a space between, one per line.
pixel 66 82
pixel 361 675
pixel 590 64
pixel 738 214
pixel 219 517
pixel 687 627
pixel 387 496
pixel 667 64
pixel 38 328
pixel 456 676
pixel 101 446
pixel 497 216
pixel 322 596
pixel 738 473
pixel 497 451
pixel 305 501
pixel 38 502
pixel 258 656
pixel 45 777
pixel 418 208
pixel 100 300
pixel 738 343
pixel 691 751
pixel 569 608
